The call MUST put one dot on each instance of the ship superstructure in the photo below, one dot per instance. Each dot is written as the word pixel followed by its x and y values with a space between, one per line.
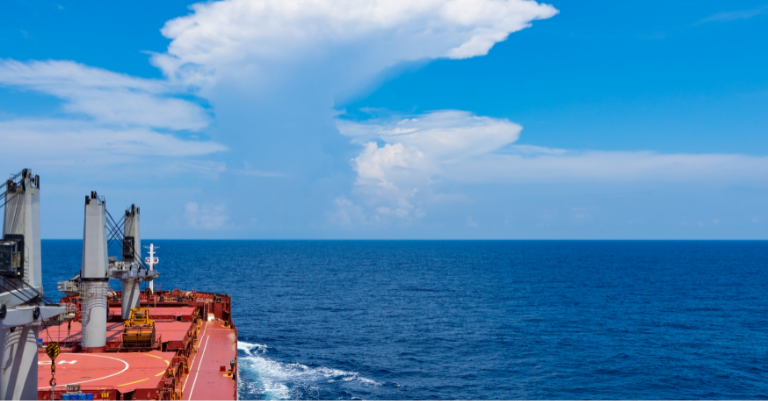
pixel 98 343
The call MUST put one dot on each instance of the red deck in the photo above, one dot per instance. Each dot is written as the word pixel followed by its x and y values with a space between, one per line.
pixel 169 331
pixel 124 372
pixel 161 313
pixel 196 352
pixel 206 381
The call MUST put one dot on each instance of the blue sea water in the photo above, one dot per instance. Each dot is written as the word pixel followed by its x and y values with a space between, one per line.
pixel 481 319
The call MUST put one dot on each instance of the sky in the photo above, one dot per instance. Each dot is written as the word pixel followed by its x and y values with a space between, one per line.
pixel 418 119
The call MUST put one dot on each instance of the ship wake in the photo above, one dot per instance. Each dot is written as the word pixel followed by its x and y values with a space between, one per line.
pixel 266 378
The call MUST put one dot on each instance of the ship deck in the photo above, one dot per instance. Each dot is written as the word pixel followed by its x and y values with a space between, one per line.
pixel 208 379
pixel 64 335
pixel 105 372
pixel 190 359
pixel 158 313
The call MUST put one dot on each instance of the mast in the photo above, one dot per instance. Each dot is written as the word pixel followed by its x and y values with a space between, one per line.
pixel 94 283
pixel 152 261
pixel 130 270
pixel 22 305
pixel 132 258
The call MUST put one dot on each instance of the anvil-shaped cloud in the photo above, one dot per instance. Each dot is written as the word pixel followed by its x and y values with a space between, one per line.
pixel 358 38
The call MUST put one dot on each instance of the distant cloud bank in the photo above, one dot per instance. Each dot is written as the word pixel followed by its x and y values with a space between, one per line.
pixel 403 160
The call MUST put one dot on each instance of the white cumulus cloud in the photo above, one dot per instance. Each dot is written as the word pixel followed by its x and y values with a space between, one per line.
pixel 416 152
pixel 273 68
pixel 254 36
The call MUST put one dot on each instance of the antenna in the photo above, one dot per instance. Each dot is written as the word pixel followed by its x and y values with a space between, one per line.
pixel 151 261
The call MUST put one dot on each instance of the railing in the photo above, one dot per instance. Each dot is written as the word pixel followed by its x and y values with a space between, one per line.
pixel 68 286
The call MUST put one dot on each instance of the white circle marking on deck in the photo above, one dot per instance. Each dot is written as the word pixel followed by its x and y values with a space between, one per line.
pixel 100 378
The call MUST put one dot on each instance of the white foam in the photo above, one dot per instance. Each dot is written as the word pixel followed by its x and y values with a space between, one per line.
pixel 277 380
pixel 249 348
pixel 368 381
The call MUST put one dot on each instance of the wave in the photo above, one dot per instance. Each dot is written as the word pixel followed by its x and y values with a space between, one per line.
pixel 249 348
pixel 263 377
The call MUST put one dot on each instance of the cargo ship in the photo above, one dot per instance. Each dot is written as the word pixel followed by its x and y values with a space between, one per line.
pixel 96 342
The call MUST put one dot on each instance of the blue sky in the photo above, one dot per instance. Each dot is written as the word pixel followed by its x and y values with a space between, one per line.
pixel 417 119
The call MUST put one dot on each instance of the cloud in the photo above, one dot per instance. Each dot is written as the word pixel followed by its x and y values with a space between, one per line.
pixel 416 152
pixel 206 217
pixel 420 146
pixel 110 119
pixel 450 135
pixel 272 69
pixel 241 37
pixel 611 167
pixel 64 143
pixel 735 15
pixel 65 139
pixel 403 160
pixel 249 171
pixel 105 96
pixel 347 213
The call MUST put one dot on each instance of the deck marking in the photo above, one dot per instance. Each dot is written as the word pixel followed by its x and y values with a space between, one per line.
pixel 137 381
pixel 200 340
pixel 166 369
pixel 100 378
pixel 153 356
pixel 192 390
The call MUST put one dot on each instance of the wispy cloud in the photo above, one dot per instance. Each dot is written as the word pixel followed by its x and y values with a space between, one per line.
pixel 109 119
pixel 67 139
pixel 249 171
pixel 105 96
pixel 611 167
pixel 735 15
pixel 207 217
pixel 347 213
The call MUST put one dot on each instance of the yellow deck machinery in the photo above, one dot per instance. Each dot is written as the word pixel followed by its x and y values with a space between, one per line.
pixel 139 330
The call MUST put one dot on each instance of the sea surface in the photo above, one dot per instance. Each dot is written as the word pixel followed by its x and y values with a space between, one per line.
pixel 481 319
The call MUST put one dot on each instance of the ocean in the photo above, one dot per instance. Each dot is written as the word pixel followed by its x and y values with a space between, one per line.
pixel 480 319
